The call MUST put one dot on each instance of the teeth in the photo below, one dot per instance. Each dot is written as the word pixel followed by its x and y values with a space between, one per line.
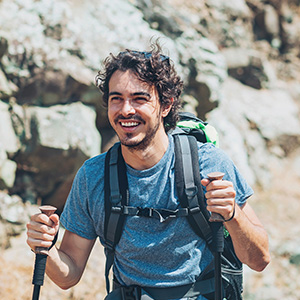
pixel 129 124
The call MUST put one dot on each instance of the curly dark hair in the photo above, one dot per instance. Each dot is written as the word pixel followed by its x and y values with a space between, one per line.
pixel 151 67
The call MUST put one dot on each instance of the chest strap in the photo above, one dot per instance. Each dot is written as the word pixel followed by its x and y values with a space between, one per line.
pixel 149 212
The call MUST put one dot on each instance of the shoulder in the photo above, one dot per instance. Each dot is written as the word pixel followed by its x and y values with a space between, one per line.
pixel 91 172
pixel 94 165
pixel 208 151
pixel 213 159
pixel 94 161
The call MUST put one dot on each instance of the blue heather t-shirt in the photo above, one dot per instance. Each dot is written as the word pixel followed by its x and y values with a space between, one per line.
pixel 150 253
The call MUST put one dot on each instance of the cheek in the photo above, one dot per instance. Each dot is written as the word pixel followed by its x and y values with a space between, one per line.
pixel 111 113
pixel 112 108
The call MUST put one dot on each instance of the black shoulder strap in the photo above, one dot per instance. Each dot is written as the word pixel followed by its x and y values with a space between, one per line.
pixel 188 183
pixel 116 196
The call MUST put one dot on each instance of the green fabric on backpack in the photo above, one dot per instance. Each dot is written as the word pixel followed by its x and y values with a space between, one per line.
pixel 209 131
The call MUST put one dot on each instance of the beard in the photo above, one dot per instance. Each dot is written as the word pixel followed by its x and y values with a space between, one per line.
pixel 142 144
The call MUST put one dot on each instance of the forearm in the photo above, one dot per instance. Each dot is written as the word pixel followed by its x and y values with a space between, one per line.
pixel 65 265
pixel 249 238
pixel 61 269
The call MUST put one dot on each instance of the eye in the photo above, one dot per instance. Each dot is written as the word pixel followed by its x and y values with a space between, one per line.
pixel 141 99
pixel 115 99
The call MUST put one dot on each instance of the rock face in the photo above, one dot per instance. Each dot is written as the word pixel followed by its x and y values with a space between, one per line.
pixel 240 61
pixel 56 140
pixel 49 64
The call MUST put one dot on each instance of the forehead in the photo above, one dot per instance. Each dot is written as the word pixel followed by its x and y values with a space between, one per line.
pixel 128 81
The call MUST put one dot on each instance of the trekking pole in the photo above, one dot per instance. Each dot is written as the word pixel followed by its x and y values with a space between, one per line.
pixel 218 241
pixel 41 255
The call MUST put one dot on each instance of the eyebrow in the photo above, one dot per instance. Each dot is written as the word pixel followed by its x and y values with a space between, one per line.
pixel 133 94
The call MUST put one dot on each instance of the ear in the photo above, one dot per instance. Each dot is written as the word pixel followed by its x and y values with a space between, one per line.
pixel 167 107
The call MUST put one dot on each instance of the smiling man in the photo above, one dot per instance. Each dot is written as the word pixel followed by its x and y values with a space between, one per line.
pixel 141 91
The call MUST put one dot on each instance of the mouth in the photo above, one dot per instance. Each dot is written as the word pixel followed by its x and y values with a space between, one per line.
pixel 129 124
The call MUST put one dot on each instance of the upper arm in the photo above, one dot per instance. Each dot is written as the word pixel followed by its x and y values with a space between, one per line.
pixel 77 249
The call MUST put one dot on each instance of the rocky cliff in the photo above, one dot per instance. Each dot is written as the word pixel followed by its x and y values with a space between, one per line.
pixel 240 61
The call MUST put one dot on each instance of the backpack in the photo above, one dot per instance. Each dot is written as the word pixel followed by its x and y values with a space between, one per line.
pixel 188 131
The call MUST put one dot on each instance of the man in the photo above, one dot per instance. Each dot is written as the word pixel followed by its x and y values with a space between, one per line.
pixel 141 90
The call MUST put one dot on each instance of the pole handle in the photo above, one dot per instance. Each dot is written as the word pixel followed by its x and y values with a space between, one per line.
pixel 214 217
pixel 47 210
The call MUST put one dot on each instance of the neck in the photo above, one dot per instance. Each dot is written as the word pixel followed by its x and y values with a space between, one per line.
pixel 148 157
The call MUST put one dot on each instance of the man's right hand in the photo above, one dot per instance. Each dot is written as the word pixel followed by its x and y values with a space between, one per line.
pixel 41 230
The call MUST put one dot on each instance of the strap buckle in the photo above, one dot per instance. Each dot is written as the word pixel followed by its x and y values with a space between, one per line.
pixel 194 210
pixel 145 212
pixel 117 209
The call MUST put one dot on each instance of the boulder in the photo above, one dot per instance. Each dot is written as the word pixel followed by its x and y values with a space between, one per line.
pixel 7 171
pixel 253 129
pixel 57 141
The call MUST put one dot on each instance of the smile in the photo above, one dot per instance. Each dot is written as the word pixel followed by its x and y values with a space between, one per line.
pixel 129 124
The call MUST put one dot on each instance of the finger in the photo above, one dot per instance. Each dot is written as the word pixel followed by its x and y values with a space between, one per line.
pixel 224 210
pixel 39 239
pixel 219 184
pixel 40 227
pixel 54 219
pixel 41 230
pixel 223 206
pixel 40 235
pixel 41 218
pixel 224 193
pixel 33 243
pixel 221 202
pixel 205 181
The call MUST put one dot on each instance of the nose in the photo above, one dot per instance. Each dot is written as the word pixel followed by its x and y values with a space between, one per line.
pixel 127 108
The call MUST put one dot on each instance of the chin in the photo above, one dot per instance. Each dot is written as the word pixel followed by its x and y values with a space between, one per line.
pixel 135 144
pixel 130 144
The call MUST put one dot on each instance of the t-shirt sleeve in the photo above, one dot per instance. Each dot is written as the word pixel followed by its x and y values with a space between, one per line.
pixel 75 216
pixel 212 159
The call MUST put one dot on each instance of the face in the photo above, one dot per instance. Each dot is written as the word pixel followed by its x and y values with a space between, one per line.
pixel 134 110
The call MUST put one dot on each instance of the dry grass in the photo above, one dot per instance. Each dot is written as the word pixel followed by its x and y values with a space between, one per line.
pixel 16 268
